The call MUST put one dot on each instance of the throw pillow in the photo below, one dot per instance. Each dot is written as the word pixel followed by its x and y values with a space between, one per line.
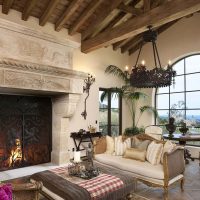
pixel 110 145
pixel 121 146
pixel 154 152
pixel 139 144
pixel 100 145
pixel 135 154
pixel 168 146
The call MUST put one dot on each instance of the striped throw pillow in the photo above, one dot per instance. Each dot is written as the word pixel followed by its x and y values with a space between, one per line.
pixel 120 146
pixel 154 152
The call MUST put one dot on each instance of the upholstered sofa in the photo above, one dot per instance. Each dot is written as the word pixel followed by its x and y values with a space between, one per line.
pixel 160 175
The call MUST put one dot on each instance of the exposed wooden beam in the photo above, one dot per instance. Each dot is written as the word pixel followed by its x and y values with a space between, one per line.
pixel 130 9
pixel 84 16
pixel 67 14
pixel 156 17
pixel 6 5
pixel 109 7
pixel 28 8
pixel 159 31
pixel 147 5
pixel 131 43
pixel 48 12
pixel 119 44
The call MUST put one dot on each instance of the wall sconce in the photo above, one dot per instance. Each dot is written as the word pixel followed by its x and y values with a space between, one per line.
pixel 88 82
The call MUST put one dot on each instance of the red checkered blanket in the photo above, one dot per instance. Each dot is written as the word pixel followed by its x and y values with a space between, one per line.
pixel 102 185
pixel 97 187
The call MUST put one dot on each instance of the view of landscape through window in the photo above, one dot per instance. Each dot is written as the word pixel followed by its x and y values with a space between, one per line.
pixel 109 111
pixel 182 99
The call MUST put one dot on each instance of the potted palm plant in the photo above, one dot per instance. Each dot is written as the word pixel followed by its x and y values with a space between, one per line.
pixel 132 97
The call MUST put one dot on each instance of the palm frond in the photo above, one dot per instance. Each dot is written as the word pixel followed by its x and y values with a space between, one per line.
pixel 115 93
pixel 150 109
pixel 104 95
pixel 135 95
pixel 116 71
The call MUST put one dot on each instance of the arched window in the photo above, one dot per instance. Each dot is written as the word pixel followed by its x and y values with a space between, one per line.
pixel 182 100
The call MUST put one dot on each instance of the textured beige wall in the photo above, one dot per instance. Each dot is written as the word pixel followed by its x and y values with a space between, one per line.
pixel 178 41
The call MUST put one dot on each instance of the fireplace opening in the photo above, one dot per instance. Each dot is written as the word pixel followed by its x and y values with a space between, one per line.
pixel 25 131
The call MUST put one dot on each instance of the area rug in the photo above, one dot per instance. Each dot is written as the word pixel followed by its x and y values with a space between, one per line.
pixel 138 197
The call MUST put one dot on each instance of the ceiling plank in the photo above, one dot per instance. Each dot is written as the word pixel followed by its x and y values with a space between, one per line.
pixel 84 16
pixel 147 5
pixel 159 31
pixel 156 17
pixel 28 8
pixel 131 43
pixel 130 9
pixel 67 14
pixel 6 5
pixel 111 5
pixel 48 12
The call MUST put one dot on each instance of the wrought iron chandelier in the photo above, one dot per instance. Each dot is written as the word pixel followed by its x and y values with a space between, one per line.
pixel 140 77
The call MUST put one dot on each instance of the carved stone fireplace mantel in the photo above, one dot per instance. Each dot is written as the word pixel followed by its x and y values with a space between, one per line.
pixel 63 85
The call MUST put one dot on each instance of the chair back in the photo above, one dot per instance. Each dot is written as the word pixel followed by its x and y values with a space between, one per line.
pixel 154 131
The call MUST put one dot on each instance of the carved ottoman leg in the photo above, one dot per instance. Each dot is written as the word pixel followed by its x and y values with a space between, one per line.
pixel 182 184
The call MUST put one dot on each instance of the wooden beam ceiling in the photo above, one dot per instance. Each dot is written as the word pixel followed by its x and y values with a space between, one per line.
pixel 130 9
pixel 158 16
pixel 111 5
pixel 67 14
pixel 48 12
pixel 84 16
pixel 6 6
pixel 147 5
pixel 28 8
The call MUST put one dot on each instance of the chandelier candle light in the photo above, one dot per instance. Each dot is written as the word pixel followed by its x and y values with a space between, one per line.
pixel 140 77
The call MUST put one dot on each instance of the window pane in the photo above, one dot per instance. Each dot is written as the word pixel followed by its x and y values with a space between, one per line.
pixel 104 103
pixel 193 117
pixel 163 101
pixel 103 120
pixel 163 117
pixel 179 84
pixel 179 116
pixel 192 100
pixel 177 101
pixel 192 82
pixel 114 116
pixel 115 130
pixel 192 64
pixel 114 100
pixel 163 90
pixel 179 67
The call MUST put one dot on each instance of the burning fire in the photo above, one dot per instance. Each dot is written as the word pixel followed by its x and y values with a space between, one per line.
pixel 16 153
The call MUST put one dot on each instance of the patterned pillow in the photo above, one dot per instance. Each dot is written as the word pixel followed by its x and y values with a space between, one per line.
pixel 110 145
pixel 154 152
pixel 120 146
pixel 139 144
pixel 135 154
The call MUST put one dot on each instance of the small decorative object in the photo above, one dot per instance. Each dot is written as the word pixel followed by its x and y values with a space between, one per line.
pixel 183 129
pixel 90 154
pixel 141 77
pixel 88 82
pixel 77 156
pixel 6 192
pixel 171 127
pixel 92 129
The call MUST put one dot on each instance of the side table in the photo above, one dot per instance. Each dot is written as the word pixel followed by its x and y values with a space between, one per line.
pixel 80 138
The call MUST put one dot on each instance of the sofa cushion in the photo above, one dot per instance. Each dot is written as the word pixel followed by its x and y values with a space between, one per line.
pixel 133 166
pixel 168 147
pixel 154 152
pixel 100 145
pixel 121 146
pixel 110 145
pixel 135 154
pixel 139 144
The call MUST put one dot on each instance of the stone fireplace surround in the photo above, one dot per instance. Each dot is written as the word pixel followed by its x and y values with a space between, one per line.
pixel 36 63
